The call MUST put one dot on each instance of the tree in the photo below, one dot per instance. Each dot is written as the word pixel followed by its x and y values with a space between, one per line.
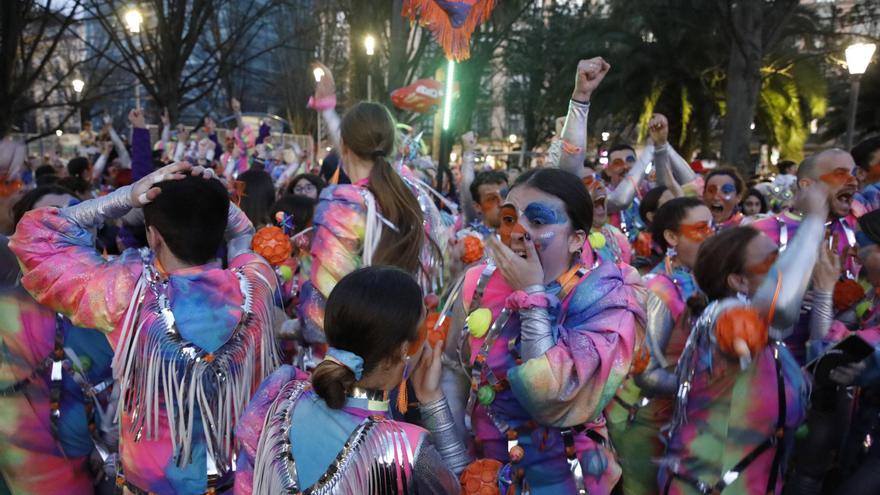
pixel 185 48
pixel 39 59
pixel 752 28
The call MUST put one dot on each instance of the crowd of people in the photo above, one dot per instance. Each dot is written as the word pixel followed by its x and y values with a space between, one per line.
pixel 194 316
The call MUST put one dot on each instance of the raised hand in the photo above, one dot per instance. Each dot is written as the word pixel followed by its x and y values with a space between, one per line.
pixel 136 118
pixel 590 74
pixel 658 126
pixel 517 271
pixel 426 375
pixel 326 87
pixel 166 119
pixel 469 141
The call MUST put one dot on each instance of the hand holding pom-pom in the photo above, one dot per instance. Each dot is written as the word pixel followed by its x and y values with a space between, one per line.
pixel 741 332
pixel 271 243
pixel 473 249
pixel 481 478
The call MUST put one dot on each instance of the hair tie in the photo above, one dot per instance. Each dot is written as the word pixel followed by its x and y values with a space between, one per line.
pixel 379 154
pixel 348 359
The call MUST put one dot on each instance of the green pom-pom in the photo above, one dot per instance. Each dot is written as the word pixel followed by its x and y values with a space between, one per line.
pixel 86 363
pixel 862 308
pixel 597 240
pixel 478 322
pixel 286 272
pixel 486 395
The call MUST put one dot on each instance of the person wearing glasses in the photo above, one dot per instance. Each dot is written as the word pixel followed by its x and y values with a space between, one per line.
pixel 308 185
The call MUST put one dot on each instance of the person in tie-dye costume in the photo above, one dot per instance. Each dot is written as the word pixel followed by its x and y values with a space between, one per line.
pixel 643 405
pixel 722 438
pixel 42 454
pixel 549 337
pixel 191 340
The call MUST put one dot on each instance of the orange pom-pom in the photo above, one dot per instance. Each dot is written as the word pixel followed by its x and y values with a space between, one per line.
pixel 641 358
pixel 847 293
pixel 271 243
pixel 481 478
pixel 436 334
pixel 473 249
pixel 642 246
pixel 741 330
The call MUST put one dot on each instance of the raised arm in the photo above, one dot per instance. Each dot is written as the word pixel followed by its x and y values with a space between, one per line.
pixel 466 201
pixel 574 133
pixel 101 162
pixel 141 150
pixel 324 102
pixel 124 157
pixel 788 278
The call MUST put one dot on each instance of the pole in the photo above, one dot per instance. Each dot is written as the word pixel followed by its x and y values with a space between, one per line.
pixel 369 87
pixel 851 114
pixel 318 141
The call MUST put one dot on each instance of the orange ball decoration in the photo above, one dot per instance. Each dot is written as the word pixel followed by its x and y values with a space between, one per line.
pixel 739 328
pixel 481 478
pixel 436 334
pixel 473 249
pixel 641 358
pixel 847 293
pixel 271 243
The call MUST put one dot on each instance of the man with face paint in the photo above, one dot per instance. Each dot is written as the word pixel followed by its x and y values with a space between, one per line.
pixel 832 169
pixel 607 240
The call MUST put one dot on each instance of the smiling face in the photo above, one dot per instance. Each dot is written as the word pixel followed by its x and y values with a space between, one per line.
pixel 543 218
pixel 721 197
pixel 599 194
pixel 619 163
pixel 836 171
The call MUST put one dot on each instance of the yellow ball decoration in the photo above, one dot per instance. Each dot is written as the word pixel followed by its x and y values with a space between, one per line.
pixel 597 240
pixel 479 322
pixel 286 272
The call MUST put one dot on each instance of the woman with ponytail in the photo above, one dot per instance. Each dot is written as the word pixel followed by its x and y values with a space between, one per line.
pixel 644 403
pixel 331 433
pixel 375 220
pixel 741 394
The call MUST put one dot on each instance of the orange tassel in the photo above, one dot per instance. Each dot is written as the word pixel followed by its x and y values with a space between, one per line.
pixel 402 399
pixel 454 40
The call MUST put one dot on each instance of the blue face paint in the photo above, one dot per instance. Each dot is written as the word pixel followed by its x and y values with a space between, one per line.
pixel 544 214
pixel 728 189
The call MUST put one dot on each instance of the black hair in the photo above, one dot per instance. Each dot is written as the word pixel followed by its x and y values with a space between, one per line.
pixel 301 207
pixel 565 186
pixel 731 172
pixel 869 224
pixel 191 215
pixel 620 147
pixel 785 166
pixel 669 217
pixel 329 166
pixel 486 177
pixel 862 152
pixel 258 196
pixel 29 199
pixel 76 184
pixel 371 312
pixel 77 166
pixel 45 175
pixel 758 194
pixel 316 181
pixel 650 203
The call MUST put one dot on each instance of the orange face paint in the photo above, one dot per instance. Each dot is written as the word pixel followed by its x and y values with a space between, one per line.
pixel 509 224
pixel 763 267
pixel 696 232
pixel 838 177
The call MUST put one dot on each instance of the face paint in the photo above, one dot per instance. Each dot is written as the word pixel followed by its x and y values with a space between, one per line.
pixel 838 177
pixel 696 232
pixel 727 191
pixel 544 214
pixel 763 267
pixel 544 240
pixel 509 224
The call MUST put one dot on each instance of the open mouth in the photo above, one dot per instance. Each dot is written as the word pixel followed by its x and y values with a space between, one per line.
pixel 520 252
pixel 845 197
pixel 716 208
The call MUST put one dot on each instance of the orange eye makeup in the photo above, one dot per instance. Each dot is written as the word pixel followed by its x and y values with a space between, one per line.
pixel 696 232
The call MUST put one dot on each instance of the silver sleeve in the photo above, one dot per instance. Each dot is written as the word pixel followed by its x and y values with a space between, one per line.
pixel 456 380
pixel 656 379
pixel 794 267
pixel 622 196
pixel 535 331
pixel 430 473
pixel 437 418
pixel 94 212
pixel 466 202
pixel 239 232
pixel 821 314
pixel 331 118
pixel 574 132
pixel 681 169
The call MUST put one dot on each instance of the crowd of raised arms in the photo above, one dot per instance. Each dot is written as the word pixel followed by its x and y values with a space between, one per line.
pixel 193 316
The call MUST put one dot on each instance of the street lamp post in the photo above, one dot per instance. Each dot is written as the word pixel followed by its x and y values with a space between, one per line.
pixel 78 85
pixel 133 20
pixel 858 56
pixel 318 73
pixel 370 45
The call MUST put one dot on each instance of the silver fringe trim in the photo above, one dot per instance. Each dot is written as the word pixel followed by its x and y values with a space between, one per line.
pixel 377 457
pixel 161 369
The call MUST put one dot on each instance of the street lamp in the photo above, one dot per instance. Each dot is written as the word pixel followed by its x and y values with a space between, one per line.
pixel 134 19
pixel 858 56
pixel 512 138
pixel 78 85
pixel 370 45
pixel 319 74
